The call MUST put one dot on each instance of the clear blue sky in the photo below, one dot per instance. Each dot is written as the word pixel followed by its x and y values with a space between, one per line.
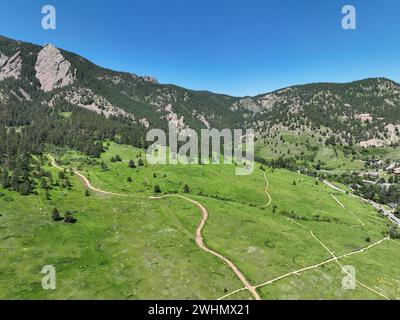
pixel 240 48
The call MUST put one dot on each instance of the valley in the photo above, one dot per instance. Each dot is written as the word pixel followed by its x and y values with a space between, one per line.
pixel 129 247
pixel 78 193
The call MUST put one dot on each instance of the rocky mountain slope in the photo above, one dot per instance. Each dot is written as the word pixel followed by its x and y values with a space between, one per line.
pixel 365 112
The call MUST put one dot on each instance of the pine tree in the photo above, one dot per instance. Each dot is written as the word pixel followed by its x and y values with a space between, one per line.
pixel 55 215
pixel 186 189
pixel 5 179
pixel 68 217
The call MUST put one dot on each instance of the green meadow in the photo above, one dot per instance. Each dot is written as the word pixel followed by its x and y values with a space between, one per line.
pixel 138 248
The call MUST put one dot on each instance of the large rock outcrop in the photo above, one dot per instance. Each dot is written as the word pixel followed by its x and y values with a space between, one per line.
pixel 53 70
pixel 10 67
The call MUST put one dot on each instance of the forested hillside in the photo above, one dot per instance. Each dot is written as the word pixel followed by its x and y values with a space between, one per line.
pixel 49 96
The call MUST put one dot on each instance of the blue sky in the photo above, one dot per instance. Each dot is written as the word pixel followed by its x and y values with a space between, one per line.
pixel 227 46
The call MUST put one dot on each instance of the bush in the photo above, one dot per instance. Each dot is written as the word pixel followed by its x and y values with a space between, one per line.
pixel 87 193
pixel 55 215
pixel 394 232
pixel 186 189
pixel 131 164
pixel 68 218
pixel 157 189
pixel 8 199
pixel 129 179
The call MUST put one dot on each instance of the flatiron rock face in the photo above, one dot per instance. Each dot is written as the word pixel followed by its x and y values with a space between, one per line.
pixel 52 69
pixel 10 67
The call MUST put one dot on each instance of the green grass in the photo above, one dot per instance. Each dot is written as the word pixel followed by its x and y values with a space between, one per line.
pixel 136 248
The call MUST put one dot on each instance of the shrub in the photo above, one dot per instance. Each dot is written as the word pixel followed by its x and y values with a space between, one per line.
pixel 132 164
pixel 55 215
pixel 186 189
pixel 394 232
pixel 157 189
pixel 68 218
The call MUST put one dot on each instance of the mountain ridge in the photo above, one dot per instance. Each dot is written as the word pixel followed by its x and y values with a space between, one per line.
pixel 363 111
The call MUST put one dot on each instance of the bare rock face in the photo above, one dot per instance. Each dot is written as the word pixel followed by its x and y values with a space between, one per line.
pixel 150 79
pixel 52 70
pixel 10 67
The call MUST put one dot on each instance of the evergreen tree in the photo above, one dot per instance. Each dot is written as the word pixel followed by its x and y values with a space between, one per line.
pixel 55 215
pixel 132 164
pixel 186 189
pixel 5 179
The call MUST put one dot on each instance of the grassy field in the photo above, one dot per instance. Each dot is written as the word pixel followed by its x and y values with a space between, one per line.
pixel 137 248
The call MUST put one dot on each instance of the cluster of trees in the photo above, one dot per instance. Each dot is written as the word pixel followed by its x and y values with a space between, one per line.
pixel 132 164
pixel 27 129
pixel 68 216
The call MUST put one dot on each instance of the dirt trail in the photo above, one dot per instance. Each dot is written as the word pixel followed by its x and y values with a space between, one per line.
pixel 356 216
pixel 198 237
pixel 266 190
pixel 86 181
pixel 203 246
pixel 335 258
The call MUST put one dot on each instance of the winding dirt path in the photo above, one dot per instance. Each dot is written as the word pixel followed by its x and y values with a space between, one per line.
pixel 333 259
pixel 266 190
pixel 203 246
pixel 198 236
pixel 86 181
pixel 297 272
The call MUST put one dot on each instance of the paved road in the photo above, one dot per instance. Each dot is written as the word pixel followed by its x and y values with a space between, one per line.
pixel 377 206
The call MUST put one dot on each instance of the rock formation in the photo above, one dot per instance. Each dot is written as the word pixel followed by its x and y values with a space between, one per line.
pixel 10 67
pixel 52 69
